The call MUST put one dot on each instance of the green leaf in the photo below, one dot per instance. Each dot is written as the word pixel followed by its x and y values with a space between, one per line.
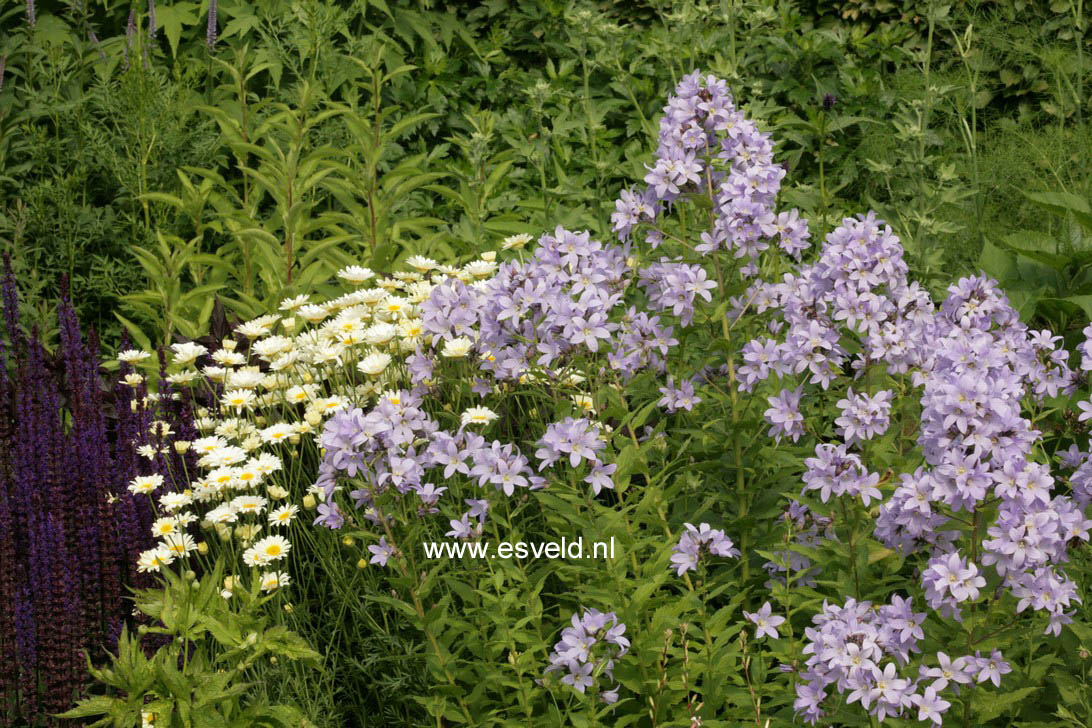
pixel 172 18
pixel 240 25
pixel 138 336
pixel 997 263
pixel 989 706
pixel 98 705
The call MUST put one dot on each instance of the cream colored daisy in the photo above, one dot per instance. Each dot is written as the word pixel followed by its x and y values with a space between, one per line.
pixel 457 348
pixel 478 416
pixel 145 483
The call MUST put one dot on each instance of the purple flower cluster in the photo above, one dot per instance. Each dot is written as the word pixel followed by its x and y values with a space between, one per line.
pixel 858 650
pixel 975 364
pixel 393 449
pixel 535 316
pixel 707 146
pixel 949 580
pixel 696 542
pixel 857 283
pixel 863 416
pixel 675 286
pixel 589 648
pixel 679 397
pixel 576 440
pixel 836 471
pixel 784 416
pixel 983 363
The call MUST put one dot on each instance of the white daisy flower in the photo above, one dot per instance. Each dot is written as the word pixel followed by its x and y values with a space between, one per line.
pixel 480 268
pixel 214 373
pixel 133 356
pixel 227 358
pixel 163 526
pixel 374 364
pixel 145 483
pixel 284 515
pixel 247 477
pixel 223 513
pixel 204 445
pixel 291 304
pixel 187 352
pixel 457 348
pixel 271 347
pixel 278 432
pixel 268 550
pixel 223 457
pixel 266 463
pixel 248 378
pixel 380 333
pixel 179 544
pixel 183 377
pixel 355 274
pixel 331 404
pixel 313 313
pixel 174 501
pixel 272 580
pixel 154 559
pixel 515 242
pixel 249 504
pixel 421 263
pixel 478 416
pixel 394 306
pixel 238 399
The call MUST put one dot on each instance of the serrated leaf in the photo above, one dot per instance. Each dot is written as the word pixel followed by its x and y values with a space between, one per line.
pixel 988 706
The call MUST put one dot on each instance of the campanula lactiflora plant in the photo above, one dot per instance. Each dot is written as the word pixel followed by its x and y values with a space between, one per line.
pixel 833 499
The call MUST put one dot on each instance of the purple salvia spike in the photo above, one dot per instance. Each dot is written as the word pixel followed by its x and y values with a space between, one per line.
pixel 9 655
pixel 151 20
pixel 11 300
pixel 26 647
pixel 3 65
pixel 31 16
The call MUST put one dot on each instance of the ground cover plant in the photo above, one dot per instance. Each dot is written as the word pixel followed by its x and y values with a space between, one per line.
pixel 840 475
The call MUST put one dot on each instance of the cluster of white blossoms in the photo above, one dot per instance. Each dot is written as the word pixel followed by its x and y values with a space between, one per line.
pixel 273 392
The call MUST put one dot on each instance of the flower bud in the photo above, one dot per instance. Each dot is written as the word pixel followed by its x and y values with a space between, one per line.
pixel 309 501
